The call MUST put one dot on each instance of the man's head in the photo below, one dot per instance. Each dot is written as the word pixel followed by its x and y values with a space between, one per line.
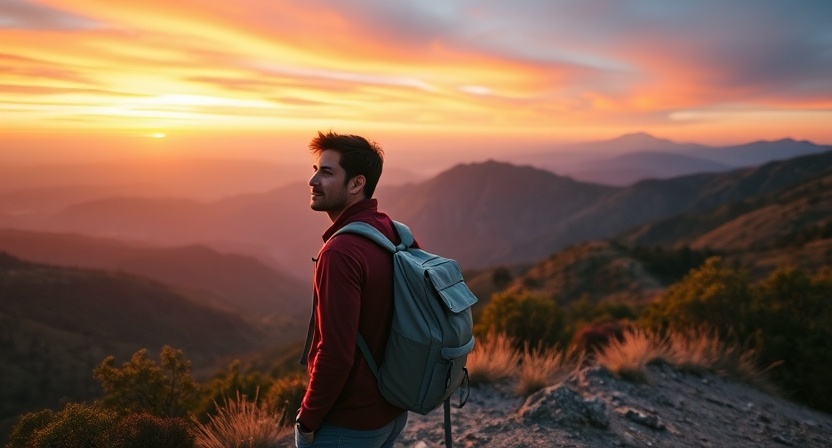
pixel 359 157
pixel 347 170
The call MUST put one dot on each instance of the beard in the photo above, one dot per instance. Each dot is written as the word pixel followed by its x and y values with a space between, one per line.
pixel 323 202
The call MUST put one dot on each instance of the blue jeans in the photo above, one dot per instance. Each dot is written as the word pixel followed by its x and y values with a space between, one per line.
pixel 328 436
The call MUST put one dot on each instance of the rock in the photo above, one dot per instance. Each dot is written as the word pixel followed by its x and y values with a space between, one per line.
pixel 648 420
pixel 563 406
pixel 779 438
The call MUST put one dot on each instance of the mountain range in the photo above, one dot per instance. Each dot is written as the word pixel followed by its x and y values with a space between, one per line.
pixel 631 158
pixel 483 214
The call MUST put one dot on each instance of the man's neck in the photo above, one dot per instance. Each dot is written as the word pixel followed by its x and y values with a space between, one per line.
pixel 335 214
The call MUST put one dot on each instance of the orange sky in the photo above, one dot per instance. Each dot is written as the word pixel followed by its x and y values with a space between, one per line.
pixel 104 77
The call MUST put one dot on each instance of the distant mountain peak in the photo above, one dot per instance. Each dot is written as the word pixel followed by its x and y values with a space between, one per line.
pixel 641 140
pixel 497 169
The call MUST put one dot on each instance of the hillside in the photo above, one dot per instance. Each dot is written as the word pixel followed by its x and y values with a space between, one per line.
pixel 630 168
pixel 276 226
pixel 793 225
pixel 233 282
pixel 595 270
pixel 479 213
pixel 653 200
pixel 58 323
pixel 593 409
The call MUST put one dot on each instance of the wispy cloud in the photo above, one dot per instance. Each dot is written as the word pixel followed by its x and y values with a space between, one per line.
pixel 22 14
pixel 546 68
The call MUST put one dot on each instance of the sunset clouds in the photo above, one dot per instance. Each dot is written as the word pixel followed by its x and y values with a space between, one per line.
pixel 704 70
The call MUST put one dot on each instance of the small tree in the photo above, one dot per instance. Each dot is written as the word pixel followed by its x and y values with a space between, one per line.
pixel 140 385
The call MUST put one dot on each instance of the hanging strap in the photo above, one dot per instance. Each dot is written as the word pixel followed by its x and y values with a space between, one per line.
pixel 308 344
pixel 449 443
pixel 365 350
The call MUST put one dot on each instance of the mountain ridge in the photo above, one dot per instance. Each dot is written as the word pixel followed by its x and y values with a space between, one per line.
pixel 229 281
pixel 482 214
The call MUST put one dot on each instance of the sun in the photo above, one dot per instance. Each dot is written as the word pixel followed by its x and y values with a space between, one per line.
pixel 158 135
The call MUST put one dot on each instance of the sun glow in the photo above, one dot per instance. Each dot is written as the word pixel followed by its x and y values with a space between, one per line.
pixel 134 67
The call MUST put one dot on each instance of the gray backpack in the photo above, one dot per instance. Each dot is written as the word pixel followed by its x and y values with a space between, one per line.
pixel 432 330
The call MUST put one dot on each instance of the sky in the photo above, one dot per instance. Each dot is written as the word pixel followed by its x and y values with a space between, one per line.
pixel 108 78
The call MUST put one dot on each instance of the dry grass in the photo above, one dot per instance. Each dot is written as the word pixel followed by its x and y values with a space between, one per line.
pixel 493 359
pixel 629 356
pixel 241 423
pixel 542 367
pixel 694 351
pixel 702 350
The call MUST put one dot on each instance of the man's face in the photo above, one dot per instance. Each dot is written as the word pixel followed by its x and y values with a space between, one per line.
pixel 329 189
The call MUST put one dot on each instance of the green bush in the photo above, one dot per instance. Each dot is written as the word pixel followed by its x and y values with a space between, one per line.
pixel 793 312
pixel 228 383
pixel 713 296
pixel 27 425
pixel 140 385
pixel 77 426
pixel 285 395
pixel 524 317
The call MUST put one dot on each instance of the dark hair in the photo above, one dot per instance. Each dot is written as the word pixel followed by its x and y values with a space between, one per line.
pixel 359 157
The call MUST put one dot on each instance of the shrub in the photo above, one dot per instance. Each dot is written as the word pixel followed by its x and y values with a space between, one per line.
pixel 523 317
pixel 713 295
pixel 226 384
pixel 27 426
pixel 140 385
pixel 241 423
pixel 494 358
pixel 285 395
pixel 146 430
pixel 77 426
pixel 793 318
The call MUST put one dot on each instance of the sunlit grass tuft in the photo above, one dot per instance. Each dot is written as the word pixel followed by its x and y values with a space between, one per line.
pixel 542 367
pixel 494 358
pixel 696 351
pixel 241 423
pixel 629 356
pixel 702 350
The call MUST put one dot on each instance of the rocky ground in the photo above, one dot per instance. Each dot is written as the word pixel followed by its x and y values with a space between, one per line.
pixel 593 409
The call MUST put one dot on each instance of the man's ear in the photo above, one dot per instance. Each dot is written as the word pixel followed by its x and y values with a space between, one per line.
pixel 356 184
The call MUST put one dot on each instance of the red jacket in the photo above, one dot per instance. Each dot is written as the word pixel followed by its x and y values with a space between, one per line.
pixel 353 292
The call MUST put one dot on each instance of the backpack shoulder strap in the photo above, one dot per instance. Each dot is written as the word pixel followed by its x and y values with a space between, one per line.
pixel 373 234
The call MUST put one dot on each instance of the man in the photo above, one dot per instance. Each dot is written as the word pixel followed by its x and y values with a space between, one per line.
pixel 353 293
